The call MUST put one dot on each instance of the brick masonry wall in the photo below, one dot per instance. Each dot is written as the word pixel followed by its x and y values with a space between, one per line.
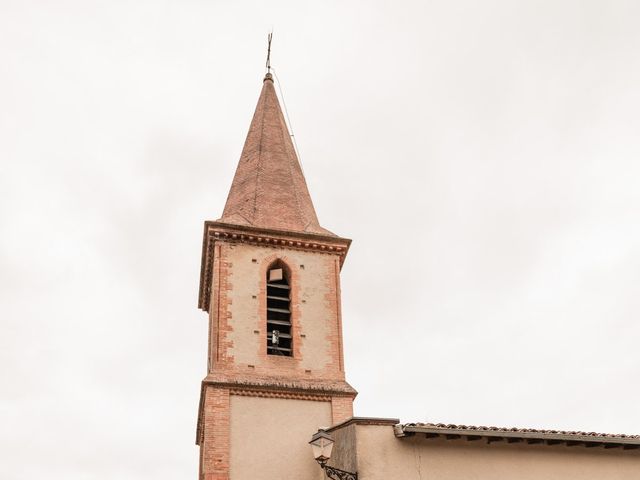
pixel 237 343
pixel 238 314
pixel 215 443
pixel 341 409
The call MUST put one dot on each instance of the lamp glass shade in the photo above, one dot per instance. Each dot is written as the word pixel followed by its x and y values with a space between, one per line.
pixel 321 445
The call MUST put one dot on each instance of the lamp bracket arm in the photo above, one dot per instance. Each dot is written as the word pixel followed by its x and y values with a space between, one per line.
pixel 337 474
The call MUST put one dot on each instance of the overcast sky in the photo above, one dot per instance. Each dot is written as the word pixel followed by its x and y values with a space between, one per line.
pixel 483 156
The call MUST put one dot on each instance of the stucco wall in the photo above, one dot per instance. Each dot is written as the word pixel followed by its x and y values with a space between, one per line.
pixel 269 438
pixel 382 456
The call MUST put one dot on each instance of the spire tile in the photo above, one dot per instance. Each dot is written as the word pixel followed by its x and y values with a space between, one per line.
pixel 269 189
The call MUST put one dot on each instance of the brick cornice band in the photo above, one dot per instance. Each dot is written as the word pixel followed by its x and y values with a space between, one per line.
pixel 328 387
pixel 286 395
pixel 223 232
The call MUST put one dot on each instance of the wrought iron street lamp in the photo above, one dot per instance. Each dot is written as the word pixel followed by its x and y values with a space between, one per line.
pixel 322 445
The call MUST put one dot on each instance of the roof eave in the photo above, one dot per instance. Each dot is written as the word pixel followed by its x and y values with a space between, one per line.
pixel 514 436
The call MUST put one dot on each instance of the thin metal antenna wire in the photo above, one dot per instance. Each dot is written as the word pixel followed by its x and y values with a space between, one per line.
pixel 286 112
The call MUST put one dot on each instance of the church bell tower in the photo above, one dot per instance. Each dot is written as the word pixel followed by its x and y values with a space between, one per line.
pixel 270 282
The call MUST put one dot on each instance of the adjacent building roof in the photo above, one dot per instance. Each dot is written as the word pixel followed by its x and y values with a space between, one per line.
pixel 269 189
pixel 513 435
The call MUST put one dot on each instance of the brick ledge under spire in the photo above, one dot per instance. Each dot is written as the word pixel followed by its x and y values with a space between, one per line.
pixel 224 232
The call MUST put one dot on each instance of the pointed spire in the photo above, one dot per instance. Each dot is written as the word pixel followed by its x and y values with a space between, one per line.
pixel 269 190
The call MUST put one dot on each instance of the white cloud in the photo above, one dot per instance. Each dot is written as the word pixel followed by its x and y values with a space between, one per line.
pixel 488 153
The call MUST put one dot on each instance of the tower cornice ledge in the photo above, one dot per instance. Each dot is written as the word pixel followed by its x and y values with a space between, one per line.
pixel 271 384
pixel 216 231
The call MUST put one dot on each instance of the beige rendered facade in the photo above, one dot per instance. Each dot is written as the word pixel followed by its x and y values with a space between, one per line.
pixel 270 283
pixel 378 449
pixel 288 450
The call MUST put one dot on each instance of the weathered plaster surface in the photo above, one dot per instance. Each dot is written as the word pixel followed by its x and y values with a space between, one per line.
pixel 380 455
pixel 269 438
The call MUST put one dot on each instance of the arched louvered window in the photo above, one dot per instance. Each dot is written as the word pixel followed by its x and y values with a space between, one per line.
pixel 279 341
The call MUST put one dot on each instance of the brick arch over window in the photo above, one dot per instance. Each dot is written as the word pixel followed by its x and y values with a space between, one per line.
pixel 279 334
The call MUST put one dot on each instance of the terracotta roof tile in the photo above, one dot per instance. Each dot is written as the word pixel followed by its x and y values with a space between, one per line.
pixel 514 432
pixel 269 189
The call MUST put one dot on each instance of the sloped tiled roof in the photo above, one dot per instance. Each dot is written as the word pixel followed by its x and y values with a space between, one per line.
pixel 269 189
pixel 512 435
